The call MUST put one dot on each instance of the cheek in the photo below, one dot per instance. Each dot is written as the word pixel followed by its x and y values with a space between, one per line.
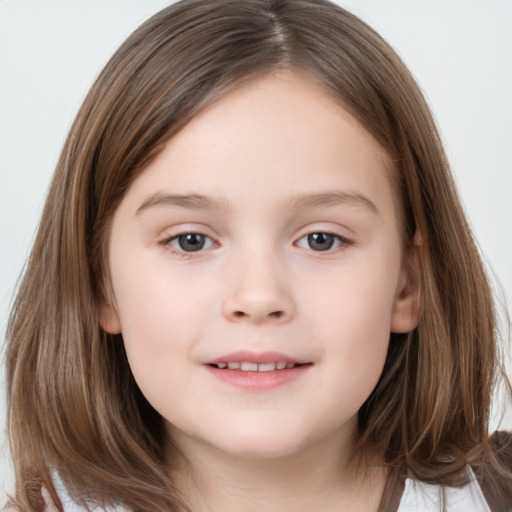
pixel 154 299
pixel 159 332
pixel 357 299
pixel 353 323
pixel 160 318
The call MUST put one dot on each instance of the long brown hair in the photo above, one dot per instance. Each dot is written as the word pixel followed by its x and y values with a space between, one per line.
pixel 74 407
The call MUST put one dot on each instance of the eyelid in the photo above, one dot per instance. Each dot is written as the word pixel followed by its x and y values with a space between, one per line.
pixel 172 234
pixel 177 239
pixel 342 242
pixel 175 233
pixel 185 228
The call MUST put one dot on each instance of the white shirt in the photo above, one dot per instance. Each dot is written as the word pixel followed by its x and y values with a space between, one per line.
pixel 421 497
pixel 417 497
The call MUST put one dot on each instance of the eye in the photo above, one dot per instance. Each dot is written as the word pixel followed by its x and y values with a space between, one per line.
pixel 322 241
pixel 190 242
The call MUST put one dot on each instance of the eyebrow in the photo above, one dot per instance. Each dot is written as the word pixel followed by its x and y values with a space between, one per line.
pixel 333 199
pixel 188 201
pixel 202 202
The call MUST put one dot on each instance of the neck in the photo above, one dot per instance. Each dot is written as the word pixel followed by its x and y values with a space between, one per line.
pixel 325 477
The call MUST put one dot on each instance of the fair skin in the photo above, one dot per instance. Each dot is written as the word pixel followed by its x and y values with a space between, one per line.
pixel 266 232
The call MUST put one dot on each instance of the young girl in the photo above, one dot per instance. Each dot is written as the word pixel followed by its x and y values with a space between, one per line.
pixel 253 286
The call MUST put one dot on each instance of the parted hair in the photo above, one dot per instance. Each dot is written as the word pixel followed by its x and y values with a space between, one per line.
pixel 73 405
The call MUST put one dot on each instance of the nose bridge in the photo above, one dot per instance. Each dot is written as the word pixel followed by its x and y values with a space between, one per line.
pixel 257 288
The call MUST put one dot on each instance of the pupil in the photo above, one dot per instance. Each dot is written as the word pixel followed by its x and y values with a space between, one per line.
pixel 320 241
pixel 191 242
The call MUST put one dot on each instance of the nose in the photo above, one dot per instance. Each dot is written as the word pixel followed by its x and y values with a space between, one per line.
pixel 258 292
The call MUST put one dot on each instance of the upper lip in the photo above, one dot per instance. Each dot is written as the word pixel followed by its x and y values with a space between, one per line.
pixel 255 357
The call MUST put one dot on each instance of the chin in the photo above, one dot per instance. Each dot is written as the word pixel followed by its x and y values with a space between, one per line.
pixel 261 451
pixel 258 444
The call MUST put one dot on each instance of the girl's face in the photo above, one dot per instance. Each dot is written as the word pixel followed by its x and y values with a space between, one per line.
pixel 265 235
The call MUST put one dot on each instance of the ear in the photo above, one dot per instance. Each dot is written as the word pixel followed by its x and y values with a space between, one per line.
pixel 109 319
pixel 407 305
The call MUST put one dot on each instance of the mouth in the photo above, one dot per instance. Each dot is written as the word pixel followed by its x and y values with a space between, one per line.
pixel 249 366
pixel 262 371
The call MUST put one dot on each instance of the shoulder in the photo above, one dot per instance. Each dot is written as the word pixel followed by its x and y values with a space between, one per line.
pixel 59 499
pixel 501 444
pixel 45 503
pixel 421 497
pixel 496 478
pixel 489 491
pixel 69 503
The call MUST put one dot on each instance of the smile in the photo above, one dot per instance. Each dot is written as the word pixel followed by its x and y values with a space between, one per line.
pixel 257 371
pixel 248 366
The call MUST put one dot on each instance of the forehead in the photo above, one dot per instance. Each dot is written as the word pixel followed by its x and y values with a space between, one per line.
pixel 280 134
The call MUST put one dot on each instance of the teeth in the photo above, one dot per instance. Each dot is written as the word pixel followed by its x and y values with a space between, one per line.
pixel 249 367
pixel 268 367
pixel 246 366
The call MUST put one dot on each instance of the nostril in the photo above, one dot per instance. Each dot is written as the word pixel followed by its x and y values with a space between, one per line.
pixel 272 314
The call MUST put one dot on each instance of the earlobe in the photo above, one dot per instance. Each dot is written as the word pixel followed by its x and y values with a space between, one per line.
pixel 407 305
pixel 109 319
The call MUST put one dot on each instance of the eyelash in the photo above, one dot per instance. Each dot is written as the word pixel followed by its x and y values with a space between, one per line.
pixel 340 242
pixel 337 242
pixel 169 243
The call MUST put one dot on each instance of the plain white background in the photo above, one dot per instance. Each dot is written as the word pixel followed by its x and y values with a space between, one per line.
pixel 50 51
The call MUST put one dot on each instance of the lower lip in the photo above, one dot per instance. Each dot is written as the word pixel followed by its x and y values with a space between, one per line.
pixel 259 381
